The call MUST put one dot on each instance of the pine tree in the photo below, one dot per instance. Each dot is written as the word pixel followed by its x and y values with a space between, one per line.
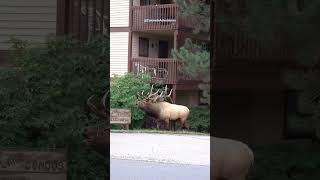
pixel 196 64
pixel 195 58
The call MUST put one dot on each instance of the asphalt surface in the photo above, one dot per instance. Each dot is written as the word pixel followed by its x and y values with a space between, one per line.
pixel 165 148
pixel 141 170
pixel 141 156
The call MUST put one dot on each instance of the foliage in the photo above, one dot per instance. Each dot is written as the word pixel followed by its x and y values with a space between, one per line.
pixel 196 63
pixel 195 59
pixel 199 119
pixel 43 98
pixel 199 10
pixel 123 94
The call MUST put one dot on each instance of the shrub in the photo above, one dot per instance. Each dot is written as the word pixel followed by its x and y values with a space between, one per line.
pixel 123 94
pixel 199 119
pixel 42 99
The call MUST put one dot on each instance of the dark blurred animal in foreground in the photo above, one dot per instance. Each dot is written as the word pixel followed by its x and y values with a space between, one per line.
pixel 230 159
pixel 98 136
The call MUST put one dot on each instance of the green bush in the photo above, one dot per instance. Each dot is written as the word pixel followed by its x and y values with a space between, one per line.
pixel 43 97
pixel 123 94
pixel 199 119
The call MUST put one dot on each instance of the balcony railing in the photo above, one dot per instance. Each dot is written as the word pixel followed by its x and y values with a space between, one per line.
pixel 159 69
pixel 158 17
pixel 237 45
pixel 163 70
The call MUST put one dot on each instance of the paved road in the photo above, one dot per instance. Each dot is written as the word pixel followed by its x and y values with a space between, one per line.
pixel 141 170
pixel 141 156
pixel 179 149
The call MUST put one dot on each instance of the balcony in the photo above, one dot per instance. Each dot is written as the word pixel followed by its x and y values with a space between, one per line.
pixel 158 17
pixel 163 70
pixel 239 46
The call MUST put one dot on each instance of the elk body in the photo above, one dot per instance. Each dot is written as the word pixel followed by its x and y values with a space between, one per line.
pixel 231 159
pixel 156 106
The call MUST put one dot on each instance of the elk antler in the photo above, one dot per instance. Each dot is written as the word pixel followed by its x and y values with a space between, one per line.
pixel 104 100
pixel 169 95
pixel 163 95
pixel 149 95
pixel 100 111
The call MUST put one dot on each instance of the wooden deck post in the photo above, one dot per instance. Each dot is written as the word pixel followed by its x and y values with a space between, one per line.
pixel 130 36
pixel 174 93
pixel 62 17
pixel 175 46
pixel 175 39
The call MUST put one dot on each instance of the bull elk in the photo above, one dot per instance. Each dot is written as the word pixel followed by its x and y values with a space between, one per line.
pixel 98 137
pixel 155 105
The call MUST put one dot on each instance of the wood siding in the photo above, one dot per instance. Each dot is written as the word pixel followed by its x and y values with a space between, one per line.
pixel 119 13
pixel 30 20
pixel 118 53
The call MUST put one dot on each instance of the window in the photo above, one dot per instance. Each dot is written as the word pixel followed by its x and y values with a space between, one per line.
pixel 143 47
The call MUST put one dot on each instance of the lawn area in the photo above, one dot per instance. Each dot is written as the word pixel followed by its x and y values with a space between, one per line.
pixel 290 160
pixel 152 131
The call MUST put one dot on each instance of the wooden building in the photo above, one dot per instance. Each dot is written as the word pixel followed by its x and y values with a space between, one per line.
pixel 251 101
pixel 34 20
pixel 143 33
pixel 27 20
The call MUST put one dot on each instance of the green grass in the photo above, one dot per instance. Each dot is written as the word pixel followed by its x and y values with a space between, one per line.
pixel 178 132
pixel 287 161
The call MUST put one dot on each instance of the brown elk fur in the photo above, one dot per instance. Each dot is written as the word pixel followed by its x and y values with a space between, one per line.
pixel 166 112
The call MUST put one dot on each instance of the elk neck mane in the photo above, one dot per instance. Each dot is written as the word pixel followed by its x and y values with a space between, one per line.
pixel 153 109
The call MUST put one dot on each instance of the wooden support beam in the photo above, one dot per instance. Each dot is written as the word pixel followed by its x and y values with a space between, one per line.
pixel 62 18
pixel 174 93
pixel 175 39
pixel 130 36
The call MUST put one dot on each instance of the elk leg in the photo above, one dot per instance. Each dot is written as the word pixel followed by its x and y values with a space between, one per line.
pixel 174 125
pixel 183 124
pixel 167 122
